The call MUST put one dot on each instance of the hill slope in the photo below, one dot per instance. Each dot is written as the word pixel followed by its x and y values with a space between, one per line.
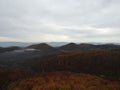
pixel 99 62
pixel 7 49
pixel 64 81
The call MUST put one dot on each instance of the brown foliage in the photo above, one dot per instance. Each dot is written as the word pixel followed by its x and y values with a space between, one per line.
pixel 7 77
pixel 99 62
pixel 64 81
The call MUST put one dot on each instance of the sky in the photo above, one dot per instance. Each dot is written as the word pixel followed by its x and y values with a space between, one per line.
pixel 60 20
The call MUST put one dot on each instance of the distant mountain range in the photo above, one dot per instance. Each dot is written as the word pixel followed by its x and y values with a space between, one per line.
pixel 69 47
pixel 17 53
pixel 85 47
pixel 8 44
pixel 54 44
pixel 24 44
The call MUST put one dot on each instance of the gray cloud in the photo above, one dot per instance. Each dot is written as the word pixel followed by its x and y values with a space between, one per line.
pixel 60 20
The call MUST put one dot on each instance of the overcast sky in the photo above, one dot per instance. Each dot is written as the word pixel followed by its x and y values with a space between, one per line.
pixel 60 20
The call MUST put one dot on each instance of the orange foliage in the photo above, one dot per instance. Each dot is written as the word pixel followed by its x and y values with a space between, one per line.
pixel 64 81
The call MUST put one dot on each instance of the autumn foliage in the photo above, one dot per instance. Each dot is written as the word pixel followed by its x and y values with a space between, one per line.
pixel 64 81
pixel 101 70
pixel 99 62
pixel 6 77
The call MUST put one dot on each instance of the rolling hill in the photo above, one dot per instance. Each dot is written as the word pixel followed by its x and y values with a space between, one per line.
pixel 60 67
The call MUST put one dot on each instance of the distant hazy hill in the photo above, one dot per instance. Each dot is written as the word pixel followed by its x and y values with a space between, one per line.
pixel 8 44
pixel 57 44
pixel 24 44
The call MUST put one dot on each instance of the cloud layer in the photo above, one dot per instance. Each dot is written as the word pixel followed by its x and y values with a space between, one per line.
pixel 60 20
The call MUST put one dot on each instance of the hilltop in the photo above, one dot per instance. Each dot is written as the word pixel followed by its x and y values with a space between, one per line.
pixel 40 46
